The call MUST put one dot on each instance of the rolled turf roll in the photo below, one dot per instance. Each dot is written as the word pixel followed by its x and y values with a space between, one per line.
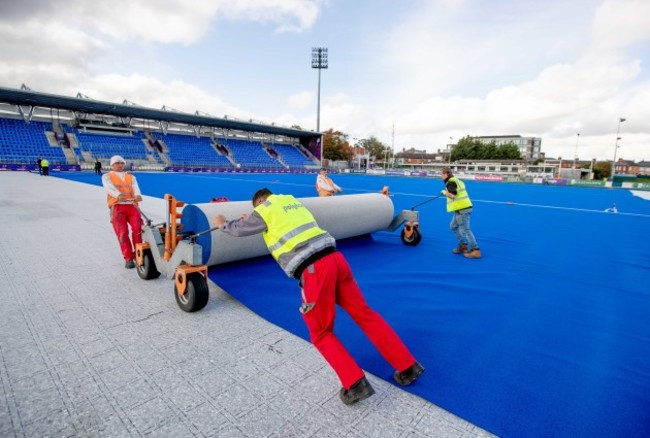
pixel 342 216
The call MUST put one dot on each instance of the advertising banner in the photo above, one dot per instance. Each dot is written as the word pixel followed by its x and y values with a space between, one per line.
pixel 34 168
pixel 498 178
pixel 587 183
pixel 187 169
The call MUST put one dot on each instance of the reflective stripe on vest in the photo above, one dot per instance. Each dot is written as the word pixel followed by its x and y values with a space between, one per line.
pixel 461 200
pixel 288 224
pixel 124 187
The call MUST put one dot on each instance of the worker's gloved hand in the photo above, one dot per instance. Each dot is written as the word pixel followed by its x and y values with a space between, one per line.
pixel 443 192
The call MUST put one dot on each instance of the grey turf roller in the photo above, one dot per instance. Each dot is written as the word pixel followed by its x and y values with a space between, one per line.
pixel 342 216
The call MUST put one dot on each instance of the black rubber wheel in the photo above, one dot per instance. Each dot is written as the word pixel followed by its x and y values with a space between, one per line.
pixel 413 239
pixel 196 293
pixel 148 269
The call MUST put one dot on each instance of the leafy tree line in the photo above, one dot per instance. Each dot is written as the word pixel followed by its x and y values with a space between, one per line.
pixel 336 146
pixel 469 148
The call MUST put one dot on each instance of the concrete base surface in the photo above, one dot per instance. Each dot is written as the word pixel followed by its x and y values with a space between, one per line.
pixel 87 348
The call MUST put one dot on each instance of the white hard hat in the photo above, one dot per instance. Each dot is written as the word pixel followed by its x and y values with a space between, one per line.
pixel 117 159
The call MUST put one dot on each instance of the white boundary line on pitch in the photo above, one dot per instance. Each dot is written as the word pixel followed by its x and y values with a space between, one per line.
pixel 561 208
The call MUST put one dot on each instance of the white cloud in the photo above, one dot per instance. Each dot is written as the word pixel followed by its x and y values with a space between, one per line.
pixel 166 21
pixel 438 70
pixel 42 43
pixel 162 21
pixel 620 23
pixel 288 15
pixel 46 57
pixel 300 100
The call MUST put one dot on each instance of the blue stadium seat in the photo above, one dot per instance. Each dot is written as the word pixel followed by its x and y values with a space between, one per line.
pixel 189 150
pixel 22 142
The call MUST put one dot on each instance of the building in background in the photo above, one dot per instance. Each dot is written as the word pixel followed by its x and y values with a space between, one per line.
pixel 529 147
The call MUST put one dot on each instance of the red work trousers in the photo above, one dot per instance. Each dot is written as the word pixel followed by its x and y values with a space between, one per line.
pixel 328 282
pixel 123 216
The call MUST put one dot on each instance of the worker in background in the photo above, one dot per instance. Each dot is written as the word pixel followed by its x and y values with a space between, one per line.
pixel 308 253
pixel 122 196
pixel 40 167
pixel 460 205
pixel 325 186
pixel 45 165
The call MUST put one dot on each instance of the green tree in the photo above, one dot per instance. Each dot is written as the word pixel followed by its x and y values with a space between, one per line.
pixel 375 148
pixel 336 146
pixel 509 151
pixel 602 169
pixel 465 149
pixel 489 151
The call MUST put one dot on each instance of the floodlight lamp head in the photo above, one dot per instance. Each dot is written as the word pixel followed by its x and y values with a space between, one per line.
pixel 319 57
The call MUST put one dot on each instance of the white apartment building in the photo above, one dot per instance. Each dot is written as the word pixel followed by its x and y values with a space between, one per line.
pixel 529 147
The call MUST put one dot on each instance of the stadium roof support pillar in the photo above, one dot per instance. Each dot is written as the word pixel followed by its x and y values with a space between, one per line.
pixel 27 117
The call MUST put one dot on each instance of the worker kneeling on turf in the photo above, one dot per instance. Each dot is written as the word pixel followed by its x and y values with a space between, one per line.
pixel 308 253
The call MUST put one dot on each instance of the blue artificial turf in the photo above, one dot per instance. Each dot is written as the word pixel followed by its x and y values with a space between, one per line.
pixel 546 335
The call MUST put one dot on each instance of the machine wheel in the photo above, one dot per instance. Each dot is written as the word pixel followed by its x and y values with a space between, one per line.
pixel 411 235
pixel 148 269
pixel 196 293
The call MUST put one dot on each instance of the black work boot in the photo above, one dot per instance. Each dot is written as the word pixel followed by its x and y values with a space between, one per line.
pixel 409 375
pixel 361 390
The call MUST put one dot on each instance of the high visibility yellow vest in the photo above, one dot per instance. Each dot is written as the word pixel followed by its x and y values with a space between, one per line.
pixel 124 187
pixel 288 224
pixel 461 200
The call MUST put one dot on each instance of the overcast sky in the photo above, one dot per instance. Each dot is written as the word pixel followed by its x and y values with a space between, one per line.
pixel 432 69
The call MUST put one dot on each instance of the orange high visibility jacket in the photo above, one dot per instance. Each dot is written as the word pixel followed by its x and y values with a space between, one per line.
pixel 325 186
pixel 125 188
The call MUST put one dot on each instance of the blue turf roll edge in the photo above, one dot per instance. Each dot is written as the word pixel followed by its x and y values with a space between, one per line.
pixel 194 220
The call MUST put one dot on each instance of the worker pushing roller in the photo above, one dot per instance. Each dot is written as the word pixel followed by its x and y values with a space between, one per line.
pixel 308 253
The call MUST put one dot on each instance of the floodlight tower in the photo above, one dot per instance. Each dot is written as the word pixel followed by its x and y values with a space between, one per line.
pixel 451 148
pixel 618 131
pixel 575 155
pixel 319 61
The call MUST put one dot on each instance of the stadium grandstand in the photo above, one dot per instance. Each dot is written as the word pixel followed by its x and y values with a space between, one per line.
pixel 74 132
